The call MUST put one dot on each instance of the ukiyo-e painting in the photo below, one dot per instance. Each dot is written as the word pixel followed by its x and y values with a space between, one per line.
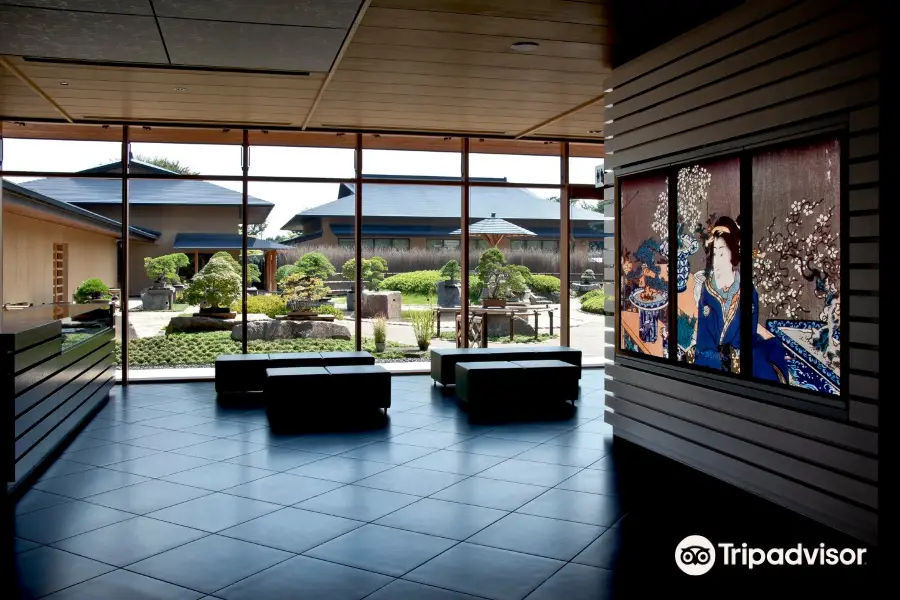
pixel 796 262
pixel 708 265
pixel 644 268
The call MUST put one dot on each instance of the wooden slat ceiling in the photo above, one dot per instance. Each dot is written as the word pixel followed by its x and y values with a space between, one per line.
pixel 410 66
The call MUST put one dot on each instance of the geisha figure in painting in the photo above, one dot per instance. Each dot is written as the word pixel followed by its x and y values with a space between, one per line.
pixel 718 296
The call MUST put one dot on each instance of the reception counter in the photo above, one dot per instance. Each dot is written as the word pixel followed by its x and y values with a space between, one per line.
pixel 58 366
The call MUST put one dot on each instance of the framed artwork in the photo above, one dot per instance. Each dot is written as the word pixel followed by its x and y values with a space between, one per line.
pixel 644 266
pixel 749 247
pixel 797 265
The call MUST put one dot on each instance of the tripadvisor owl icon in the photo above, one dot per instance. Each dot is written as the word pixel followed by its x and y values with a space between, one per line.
pixel 695 555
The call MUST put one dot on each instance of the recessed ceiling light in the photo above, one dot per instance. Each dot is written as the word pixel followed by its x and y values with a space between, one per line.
pixel 63 83
pixel 180 89
pixel 525 46
pixel 595 131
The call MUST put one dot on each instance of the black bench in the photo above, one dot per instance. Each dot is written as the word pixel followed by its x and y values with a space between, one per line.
pixel 492 383
pixel 243 373
pixel 444 360
pixel 293 390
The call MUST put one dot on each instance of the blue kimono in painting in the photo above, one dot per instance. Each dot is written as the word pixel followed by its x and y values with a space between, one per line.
pixel 719 335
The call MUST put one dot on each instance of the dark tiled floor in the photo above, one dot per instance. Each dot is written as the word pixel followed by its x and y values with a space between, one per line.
pixel 168 494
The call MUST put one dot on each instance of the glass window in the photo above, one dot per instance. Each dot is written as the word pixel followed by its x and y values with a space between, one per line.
pixel 345 242
pixel 400 244
pixel 368 244
pixel 382 243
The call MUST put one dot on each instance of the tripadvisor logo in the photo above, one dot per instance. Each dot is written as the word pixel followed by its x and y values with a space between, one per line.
pixel 696 555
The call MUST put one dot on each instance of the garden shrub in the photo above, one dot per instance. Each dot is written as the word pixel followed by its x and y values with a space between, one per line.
pixel 475 287
pixel 92 289
pixel 593 302
pixel 544 284
pixel 315 264
pixel 283 271
pixel 329 309
pixel 415 282
pixel 269 305
pixel 423 327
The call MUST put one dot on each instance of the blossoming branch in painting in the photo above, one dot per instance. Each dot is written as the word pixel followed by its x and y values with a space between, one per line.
pixel 783 259
pixel 693 188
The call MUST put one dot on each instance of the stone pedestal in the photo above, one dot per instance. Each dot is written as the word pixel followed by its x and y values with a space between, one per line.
pixel 448 293
pixel 383 304
pixel 158 298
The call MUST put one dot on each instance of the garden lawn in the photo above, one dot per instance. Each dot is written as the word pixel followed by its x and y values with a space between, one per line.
pixel 201 349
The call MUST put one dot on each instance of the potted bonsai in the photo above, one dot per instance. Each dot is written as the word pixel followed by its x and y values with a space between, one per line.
pixel 215 287
pixel 303 294
pixel 92 291
pixel 448 289
pixel 423 327
pixel 499 279
pixel 163 273
pixel 380 333
pixel 373 270
pixel 315 264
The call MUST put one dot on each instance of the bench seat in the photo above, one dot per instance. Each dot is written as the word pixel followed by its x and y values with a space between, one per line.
pixel 444 360
pixel 243 373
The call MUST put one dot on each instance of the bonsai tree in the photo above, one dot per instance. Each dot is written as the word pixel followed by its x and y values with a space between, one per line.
pixel 253 272
pixel 499 278
pixel 163 270
pixel 451 270
pixel 283 271
pixel 373 270
pixel 91 289
pixel 423 327
pixel 216 286
pixel 300 288
pixel 315 264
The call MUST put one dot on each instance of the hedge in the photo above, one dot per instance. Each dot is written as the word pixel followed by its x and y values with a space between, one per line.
pixel 414 282
pixel 544 284
pixel 594 302
pixel 269 305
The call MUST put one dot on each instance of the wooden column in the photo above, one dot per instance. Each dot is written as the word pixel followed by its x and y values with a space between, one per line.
pixel 463 342
pixel 196 261
pixel 357 242
pixel 126 248
pixel 565 233
pixel 270 270
pixel 245 168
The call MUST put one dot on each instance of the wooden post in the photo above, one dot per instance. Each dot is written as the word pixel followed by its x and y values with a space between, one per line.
pixel 126 249
pixel 196 261
pixel 536 325
pixel 357 242
pixel 245 224
pixel 565 232
pixel 512 328
pixel 464 244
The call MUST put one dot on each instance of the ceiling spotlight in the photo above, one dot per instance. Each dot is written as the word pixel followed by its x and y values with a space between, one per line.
pixel 446 139
pixel 63 83
pixel 146 128
pixel 525 46
pixel 180 89
pixel 595 131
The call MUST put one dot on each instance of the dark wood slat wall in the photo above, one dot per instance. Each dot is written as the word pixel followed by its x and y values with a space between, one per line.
pixel 766 71
pixel 52 392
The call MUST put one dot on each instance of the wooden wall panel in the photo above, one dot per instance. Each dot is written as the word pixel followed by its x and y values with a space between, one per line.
pixel 767 71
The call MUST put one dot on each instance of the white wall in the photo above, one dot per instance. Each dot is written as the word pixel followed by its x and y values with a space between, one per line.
pixel 768 70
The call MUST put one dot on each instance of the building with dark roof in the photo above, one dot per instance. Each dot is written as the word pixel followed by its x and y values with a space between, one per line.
pixel 50 247
pixel 425 216
pixel 191 216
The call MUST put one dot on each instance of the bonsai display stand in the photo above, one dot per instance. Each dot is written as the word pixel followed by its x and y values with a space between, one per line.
pixel 306 317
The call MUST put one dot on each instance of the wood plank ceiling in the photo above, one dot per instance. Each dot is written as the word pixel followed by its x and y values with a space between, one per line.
pixel 407 65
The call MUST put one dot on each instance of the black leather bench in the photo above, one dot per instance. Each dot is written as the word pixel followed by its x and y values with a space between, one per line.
pixel 243 373
pixel 293 390
pixel 494 383
pixel 444 360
